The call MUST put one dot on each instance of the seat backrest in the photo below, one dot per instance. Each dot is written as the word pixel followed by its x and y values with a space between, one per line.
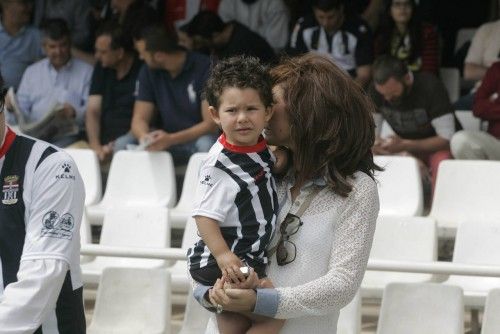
pixel 136 227
pixel 450 77
pixel 405 238
pixel 195 317
pixel 411 308
pixel 468 120
pixel 140 178
pixel 399 186
pixel 466 190
pixel 464 35
pixel 190 182
pixel 132 300
pixel 478 243
pixel 491 318
pixel 88 165
pixel 85 237
pixel 350 317
pixel 190 234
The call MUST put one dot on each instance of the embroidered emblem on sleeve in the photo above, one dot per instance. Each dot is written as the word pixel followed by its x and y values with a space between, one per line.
pixel 66 172
pixel 55 226
pixel 10 189
pixel 206 181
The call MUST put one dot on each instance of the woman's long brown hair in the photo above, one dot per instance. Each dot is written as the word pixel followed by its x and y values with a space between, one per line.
pixel 331 122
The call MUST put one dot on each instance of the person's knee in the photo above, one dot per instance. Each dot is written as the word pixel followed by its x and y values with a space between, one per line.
pixel 460 145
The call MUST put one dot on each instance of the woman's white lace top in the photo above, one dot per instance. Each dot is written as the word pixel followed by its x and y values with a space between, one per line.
pixel 333 246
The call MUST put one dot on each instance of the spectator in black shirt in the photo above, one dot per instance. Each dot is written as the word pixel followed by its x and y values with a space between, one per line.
pixel 227 39
pixel 111 96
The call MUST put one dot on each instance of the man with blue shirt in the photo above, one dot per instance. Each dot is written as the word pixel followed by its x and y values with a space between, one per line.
pixel 19 43
pixel 172 83
pixel 57 80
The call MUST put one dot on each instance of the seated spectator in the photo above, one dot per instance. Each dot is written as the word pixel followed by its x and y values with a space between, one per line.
pixel 134 16
pixel 111 97
pixel 74 12
pixel 403 35
pixel 172 83
pixel 417 107
pixel 483 52
pixel 227 39
pixel 346 39
pixel 478 144
pixel 20 43
pixel 269 18
pixel 58 79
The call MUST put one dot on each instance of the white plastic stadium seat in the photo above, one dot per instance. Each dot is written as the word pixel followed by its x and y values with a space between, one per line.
pixel 469 121
pixel 182 211
pixel 88 165
pixel 450 77
pixel 466 190
pixel 476 243
pixel 399 186
pixel 137 179
pixel 463 36
pixel 430 308
pixel 180 281
pixel 85 238
pixel 403 239
pixel 195 317
pixel 130 227
pixel 350 317
pixel 132 301
pixel 491 318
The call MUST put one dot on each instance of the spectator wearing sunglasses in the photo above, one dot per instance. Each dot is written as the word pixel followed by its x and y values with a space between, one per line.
pixel 236 208
pixel 324 119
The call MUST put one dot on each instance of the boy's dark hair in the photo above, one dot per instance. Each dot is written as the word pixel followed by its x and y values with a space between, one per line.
pixel 55 29
pixel 386 67
pixel 118 38
pixel 327 5
pixel 204 24
pixel 240 72
pixel 158 39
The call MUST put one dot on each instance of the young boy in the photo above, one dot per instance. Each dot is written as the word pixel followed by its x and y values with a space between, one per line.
pixel 236 208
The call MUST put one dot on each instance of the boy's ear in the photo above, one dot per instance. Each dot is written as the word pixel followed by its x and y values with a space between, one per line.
pixel 269 113
pixel 214 114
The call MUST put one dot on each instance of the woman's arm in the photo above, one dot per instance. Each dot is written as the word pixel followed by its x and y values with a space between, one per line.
pixel 351 247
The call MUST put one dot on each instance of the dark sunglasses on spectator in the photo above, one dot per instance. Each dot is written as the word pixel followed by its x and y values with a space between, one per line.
pixel 286 250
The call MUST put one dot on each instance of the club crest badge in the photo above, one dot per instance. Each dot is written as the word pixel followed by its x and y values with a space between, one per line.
pixel 10 189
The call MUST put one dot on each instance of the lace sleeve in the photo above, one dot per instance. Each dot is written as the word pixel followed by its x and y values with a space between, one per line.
pixel 352 242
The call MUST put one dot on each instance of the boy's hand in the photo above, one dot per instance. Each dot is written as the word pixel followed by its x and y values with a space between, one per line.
pixel 251 282
pixel 230 265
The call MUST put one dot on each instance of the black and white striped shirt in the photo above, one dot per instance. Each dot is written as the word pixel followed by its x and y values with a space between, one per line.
pixel 236 188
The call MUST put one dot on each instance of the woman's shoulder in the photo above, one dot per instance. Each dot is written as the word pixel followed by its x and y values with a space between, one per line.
pixel 363 185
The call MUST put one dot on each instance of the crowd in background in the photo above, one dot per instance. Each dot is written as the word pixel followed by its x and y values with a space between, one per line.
pixel 131 73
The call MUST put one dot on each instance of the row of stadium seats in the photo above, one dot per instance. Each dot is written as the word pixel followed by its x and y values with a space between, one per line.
pixel 465 190
pixel 137 301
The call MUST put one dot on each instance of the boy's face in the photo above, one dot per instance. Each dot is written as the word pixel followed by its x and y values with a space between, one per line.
pixel 241 115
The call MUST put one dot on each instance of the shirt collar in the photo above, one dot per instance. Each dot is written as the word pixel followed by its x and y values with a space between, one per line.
pixel 66 66
pixel 7 141
pixel 259 147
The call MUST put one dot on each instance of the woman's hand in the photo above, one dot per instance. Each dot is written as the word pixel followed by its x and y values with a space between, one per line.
pixel 235 300
pixel 251 282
